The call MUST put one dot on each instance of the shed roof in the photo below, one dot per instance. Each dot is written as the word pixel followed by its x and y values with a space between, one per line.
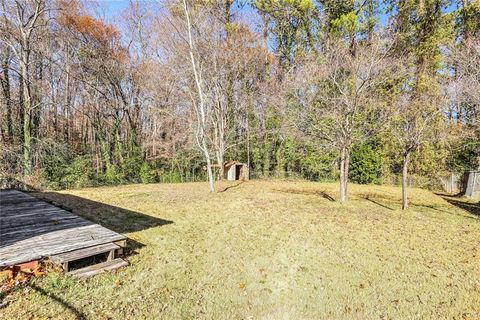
pixel 231 163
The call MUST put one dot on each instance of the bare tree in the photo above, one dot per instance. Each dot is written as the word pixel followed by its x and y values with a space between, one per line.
pixel 465 58
pixel 416 109
pixel 338 93
pixel 415 119
pixel 199 103
pixel 237 63
pixel 20 29
pixel 6 90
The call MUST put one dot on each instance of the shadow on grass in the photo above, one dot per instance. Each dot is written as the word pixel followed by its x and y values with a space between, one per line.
pixel 326 196
pixel 77 314
pixel 230 187
pixel 322 193
pixel 378 203
pixel 114 218
pixel 470 207
pixel 429 206
pixel 473 208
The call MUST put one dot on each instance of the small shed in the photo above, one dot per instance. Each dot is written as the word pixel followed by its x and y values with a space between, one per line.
pixel 472 184
pixel 234 170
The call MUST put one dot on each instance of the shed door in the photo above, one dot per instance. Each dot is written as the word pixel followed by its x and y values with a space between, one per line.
pixel 238 171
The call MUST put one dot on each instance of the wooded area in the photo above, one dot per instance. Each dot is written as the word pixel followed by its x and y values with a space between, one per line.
pixel 364 91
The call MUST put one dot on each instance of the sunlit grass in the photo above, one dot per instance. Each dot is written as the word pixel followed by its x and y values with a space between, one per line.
pixel 271 250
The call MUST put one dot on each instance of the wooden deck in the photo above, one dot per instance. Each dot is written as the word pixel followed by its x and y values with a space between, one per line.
pixel 32 229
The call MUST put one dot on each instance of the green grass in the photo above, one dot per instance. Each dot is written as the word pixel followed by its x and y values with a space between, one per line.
pixel 270 250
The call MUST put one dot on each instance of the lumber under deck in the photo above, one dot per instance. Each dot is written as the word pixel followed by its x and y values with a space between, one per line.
pixel 32 229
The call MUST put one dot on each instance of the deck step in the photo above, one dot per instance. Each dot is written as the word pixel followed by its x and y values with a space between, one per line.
pixel 84 253
pixel 98 268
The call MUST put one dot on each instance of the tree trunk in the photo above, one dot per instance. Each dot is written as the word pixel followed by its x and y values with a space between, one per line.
pixel 248 147
pixel 66 105
pixel 20 108
pixel 27 139
pixel 220 161
pixel 406 156
pixel 200 107
pixel 35 101
pixel 343 186
pixel 211 182
pixel 219 141
pixel 5 80
pixel 345 176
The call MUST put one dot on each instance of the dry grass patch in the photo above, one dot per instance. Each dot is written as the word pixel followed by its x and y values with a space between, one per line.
pixel 270 250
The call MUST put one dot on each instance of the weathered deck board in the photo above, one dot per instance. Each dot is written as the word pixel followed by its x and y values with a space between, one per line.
pixel 83 253
pixel 101 267
pixel 31 229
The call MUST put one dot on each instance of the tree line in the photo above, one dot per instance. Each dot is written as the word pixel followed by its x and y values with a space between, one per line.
pixel 364 91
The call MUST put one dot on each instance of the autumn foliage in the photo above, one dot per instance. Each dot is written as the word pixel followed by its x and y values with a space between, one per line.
pixel 95 32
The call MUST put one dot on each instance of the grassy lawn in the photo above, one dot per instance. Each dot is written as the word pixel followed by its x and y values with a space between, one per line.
pixel 270 250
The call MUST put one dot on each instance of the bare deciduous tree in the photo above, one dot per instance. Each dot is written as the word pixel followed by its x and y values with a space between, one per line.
pixel 415 118
pixel 465 58
pixel 338 92
pixel 199 102
pixel 20 27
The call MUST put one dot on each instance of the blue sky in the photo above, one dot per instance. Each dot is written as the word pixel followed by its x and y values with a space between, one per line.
pixel 111 8
pixel 114 6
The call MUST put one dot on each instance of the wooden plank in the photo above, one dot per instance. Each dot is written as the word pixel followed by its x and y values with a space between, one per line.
pixel 17 201
pixel 98 268
pixel 25 202
pixel 14 195
pixel 55 243
pixel 122 243
pixel 19 211
pixel 83 253
pixel 32 229
pixel 37 217
pixel 12 235
pixel 8 191
pixel 4 194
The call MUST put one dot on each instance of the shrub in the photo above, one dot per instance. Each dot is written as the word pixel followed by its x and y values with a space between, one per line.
pixel 146 173
pixel 78 174
pixel 317 164
pixel 130 168
pixel 365 163
pixel 113 175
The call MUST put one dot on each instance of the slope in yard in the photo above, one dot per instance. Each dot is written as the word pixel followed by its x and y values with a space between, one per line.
pixel 274 250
